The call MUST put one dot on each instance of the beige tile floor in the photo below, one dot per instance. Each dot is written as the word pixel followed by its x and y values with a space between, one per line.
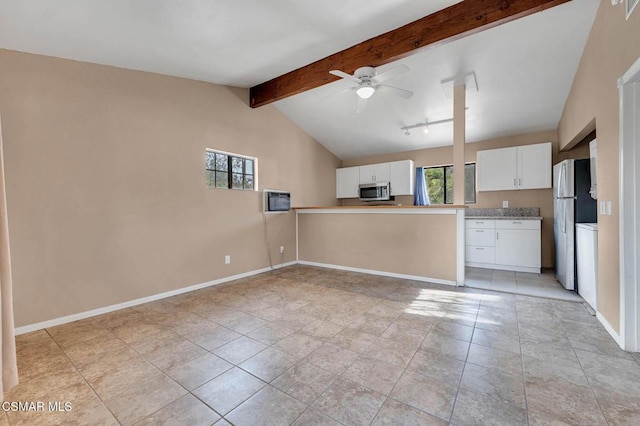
pixel 538 285
pixel 310 346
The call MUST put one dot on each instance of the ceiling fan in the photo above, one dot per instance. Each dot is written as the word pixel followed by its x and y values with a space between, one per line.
pixel 369 83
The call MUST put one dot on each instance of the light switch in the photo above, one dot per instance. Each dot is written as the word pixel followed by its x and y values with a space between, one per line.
pixel 608 208
pixel 603 208
pixel 505 204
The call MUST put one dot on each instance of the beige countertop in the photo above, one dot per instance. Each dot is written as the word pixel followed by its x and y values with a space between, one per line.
pixel 445 206
pixel 505 217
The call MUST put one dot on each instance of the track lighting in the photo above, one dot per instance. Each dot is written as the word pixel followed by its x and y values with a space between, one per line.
pixel 426 125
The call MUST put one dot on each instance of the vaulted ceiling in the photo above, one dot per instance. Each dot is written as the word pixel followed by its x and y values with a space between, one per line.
pixel 524 68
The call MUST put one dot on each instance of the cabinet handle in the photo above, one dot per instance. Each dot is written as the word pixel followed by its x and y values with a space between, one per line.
pixel 497 236
pixel 515 222
pixel 479 230
pixel 479 223
pixel 479 248
pixel 519 181
pixel 514 182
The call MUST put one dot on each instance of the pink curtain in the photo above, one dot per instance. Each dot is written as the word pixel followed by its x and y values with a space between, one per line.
pixel 8 343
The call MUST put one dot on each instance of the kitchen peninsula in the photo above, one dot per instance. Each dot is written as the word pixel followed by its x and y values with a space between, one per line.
pixel 413 242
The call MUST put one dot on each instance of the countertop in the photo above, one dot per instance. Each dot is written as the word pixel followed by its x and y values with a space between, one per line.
pixel 505 217
pixel 440 206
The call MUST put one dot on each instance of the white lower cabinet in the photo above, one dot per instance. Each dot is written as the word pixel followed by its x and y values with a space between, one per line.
pixel 481 254
pixel 518 248
pixel 503 244
pixel 480 237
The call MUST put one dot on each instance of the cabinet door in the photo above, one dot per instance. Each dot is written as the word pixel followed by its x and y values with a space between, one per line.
pixel 347 181
pixel 515 247
pixel 497 169
pixel 401 177
pixel 367 174
pixel 381 172
pixel 374 173
pixel 534 166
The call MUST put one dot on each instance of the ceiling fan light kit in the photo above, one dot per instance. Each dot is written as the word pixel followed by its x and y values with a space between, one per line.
pixel 365 91
pixel 369 82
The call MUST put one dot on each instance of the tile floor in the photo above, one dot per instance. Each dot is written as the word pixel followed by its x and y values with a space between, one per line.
pixel 538 285
pixel 310 346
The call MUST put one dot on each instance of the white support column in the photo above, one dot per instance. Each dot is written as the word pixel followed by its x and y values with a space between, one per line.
pixel 459 104
pixel 460 247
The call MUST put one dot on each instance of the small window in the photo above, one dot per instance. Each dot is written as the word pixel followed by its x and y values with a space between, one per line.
pixel 230 171
pixel 440 184
pixel 631 4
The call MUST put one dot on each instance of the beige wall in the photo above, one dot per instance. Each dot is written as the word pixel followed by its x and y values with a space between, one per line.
pixel 421 245
pixel 542 198
pixel 105 183
pixel 612 47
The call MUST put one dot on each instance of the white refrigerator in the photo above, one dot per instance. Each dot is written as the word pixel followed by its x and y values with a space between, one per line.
pixel 572 204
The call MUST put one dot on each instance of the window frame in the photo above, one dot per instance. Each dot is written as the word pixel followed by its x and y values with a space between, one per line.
pixel 230 156
pixel 444 181
pixel 630 6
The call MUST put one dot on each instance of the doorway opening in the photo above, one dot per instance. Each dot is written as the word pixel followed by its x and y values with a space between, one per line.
pixel 629 85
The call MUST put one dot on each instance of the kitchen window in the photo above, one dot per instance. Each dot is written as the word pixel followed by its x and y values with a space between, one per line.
pixel 440 184
pixel 230 171
pixel 631 4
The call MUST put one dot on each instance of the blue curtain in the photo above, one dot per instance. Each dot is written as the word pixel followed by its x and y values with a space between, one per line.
pixel 420 195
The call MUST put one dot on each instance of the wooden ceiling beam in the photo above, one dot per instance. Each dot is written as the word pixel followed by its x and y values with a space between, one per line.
pixel 457 21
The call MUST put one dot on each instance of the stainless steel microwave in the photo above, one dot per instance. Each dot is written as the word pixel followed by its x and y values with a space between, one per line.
pixel 379 191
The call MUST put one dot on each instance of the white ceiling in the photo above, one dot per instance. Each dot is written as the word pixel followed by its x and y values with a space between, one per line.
pixel 524 69
pixel 233 42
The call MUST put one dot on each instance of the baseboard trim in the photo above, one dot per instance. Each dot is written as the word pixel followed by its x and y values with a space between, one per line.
pixel 610 329
pixel 104 310
pixel 381 273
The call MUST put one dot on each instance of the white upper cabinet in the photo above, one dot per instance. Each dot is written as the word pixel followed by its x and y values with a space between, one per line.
pixel 534 166
pixel 374 173
pixel 497 169
pixel 521 167
pixel 402 177
pixel 347 181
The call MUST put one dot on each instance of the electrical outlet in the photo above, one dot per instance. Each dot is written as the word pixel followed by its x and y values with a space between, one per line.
pixel 505 204
pixel 603 208
pixel 281 249
pixel 227 259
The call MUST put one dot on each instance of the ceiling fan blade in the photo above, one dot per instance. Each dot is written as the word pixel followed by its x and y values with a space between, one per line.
pixel 344 75
pixel 394 91
pixel 400 69
pixel 362 104
pixel 332 93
